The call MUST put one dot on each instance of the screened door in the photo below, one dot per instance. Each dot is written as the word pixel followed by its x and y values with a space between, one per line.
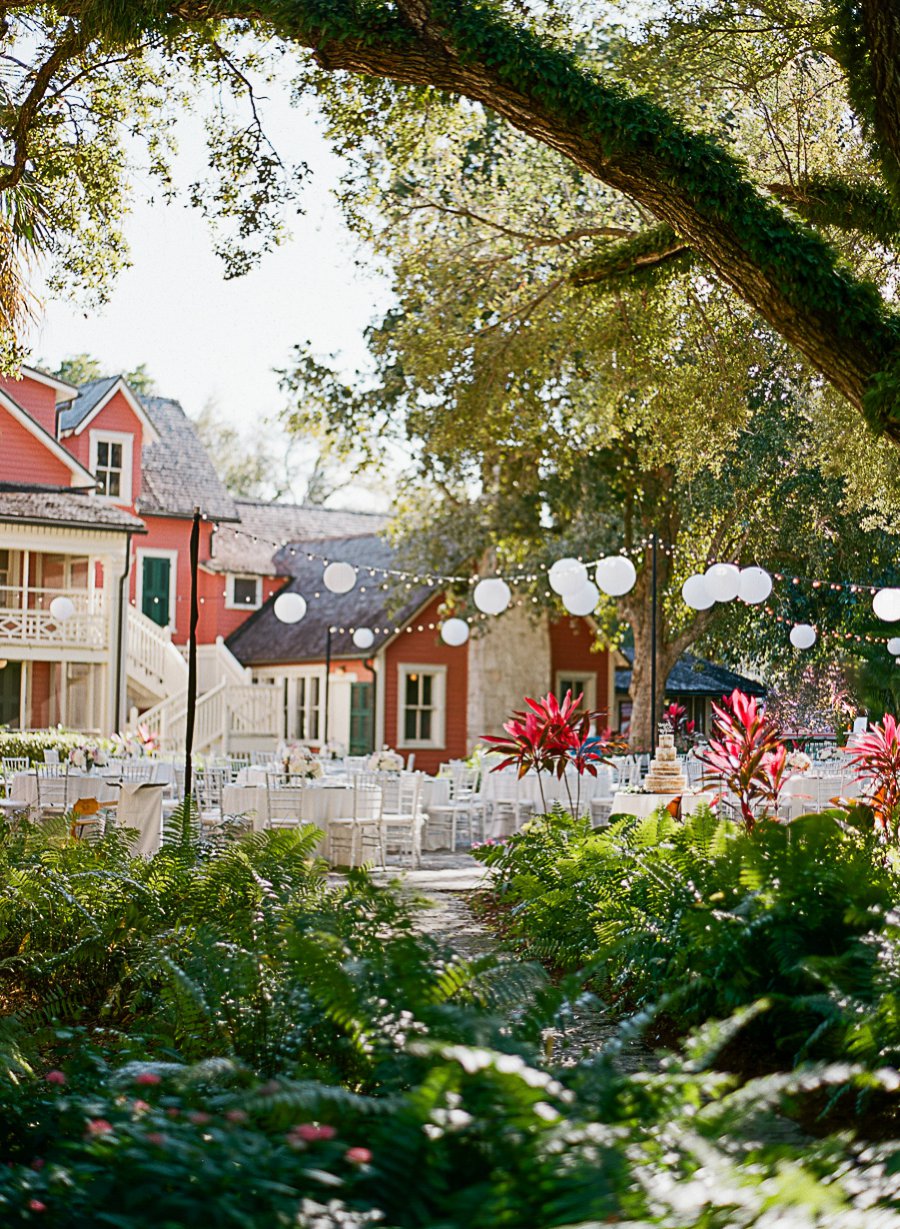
pixel 155 582
pixel 362 718
pixel 10 688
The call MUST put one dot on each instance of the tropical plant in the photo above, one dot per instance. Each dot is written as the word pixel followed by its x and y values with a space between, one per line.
pixel 876 760
pixel 549 737
pixel 745 752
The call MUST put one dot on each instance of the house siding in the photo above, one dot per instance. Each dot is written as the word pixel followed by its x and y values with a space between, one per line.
pixel 426 648
pixel 38 399
pixel 24 459
pixel 570 649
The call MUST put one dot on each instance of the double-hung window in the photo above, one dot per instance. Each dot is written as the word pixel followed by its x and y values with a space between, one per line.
pixel 111 465
pixel 309 692
pixel 421 707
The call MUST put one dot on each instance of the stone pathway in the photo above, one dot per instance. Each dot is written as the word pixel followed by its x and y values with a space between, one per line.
pixel 444 880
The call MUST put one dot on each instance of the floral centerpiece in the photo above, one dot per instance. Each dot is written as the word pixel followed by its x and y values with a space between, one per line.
pixel 799 762
pixel 333 751
pixel 299 761
pixel 385 760
pixel 87 756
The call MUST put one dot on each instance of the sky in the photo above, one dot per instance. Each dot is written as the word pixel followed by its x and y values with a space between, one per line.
pixel 202 337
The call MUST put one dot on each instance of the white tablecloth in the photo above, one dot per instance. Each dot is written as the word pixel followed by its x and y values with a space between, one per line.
pixel 321 803
pixel 81 785
pixel 642 805
pixel 141 808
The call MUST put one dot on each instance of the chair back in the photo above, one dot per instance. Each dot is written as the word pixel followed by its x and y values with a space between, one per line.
pixel 368 799
pixel 51 757
pixel 137 770
pixel 463 783
pixel 286 806
pixel 13 764
pixel 210 783
pixel 52 785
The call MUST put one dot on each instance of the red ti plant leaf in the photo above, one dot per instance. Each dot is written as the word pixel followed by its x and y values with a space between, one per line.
pixel 548 737
pixel 746 752
pixel 876 760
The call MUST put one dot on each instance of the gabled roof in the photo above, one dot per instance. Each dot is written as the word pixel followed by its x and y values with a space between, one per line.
pixel 63 509
pixel 271 524
pixel 63 389
pixel 91 399
pixel 77 470
pixel 177 473
pixel 263 639
pixel 693 676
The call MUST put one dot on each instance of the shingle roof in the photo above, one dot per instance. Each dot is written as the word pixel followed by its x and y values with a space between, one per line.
pixel 693 676
pixel 234 550
pixel 177 472
pixel 51 506
pixel 88 396
pixel 263 639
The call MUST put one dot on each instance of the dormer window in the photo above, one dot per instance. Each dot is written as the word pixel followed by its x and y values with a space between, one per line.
pixel 243 593
pixel 111 465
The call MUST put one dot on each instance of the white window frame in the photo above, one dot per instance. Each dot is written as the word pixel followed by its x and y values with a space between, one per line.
pixel 127 442
pixel 230 603
pixel 150 553
pixel 439 705
pixel 587 682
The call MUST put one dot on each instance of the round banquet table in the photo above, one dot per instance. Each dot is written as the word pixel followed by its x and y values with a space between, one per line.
pixel 642 805
pixel 322 802
pixel 81 785
pixel 139 804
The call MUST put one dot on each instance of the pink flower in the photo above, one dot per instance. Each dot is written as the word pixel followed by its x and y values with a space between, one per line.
pixel 55 1077
pixel 172 1112
pixel 199 1118
pixel 140 1107
pixel 156 1138
pixel 310 1133
pixel 147 1077
pixel 236 1115
pixel 99 1126
pixel 358 1156
pixel 36 1206
pixel 38 1163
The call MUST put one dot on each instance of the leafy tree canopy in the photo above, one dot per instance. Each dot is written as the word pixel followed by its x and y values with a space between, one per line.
pixel 667 115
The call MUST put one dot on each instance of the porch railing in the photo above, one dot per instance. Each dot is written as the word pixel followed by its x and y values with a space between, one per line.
pixel 26 618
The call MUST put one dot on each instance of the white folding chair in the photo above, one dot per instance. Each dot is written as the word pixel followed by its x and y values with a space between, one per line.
pixel 285 799
pixel 402 819
pixel 359 838
pixel 52 789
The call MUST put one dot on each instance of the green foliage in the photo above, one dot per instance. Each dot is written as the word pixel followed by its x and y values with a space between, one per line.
pixel 699 919
pixel 32 744
pixel 219 1036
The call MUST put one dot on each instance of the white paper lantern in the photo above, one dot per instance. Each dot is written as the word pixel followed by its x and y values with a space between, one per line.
pixel 886 604
pixel 62 608
pixel 364 637
pixel 339 577
pixel 582 601
pixel 492 596
pixel 695 592
pixel 803 636
pixel 566 575
pixel 893 645
pixel 723 581
pixel 616 575
pixel 754 586
pixel 454 632
pixel 289 607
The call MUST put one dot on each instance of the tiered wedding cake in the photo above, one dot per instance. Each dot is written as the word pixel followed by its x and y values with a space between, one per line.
pixel 665 775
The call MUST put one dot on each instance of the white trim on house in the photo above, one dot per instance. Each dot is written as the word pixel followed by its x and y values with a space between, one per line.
pixel 126 439
pixel 230 603
pixel 152 553
pixel 438 739
pixel 120 386
pixel 21 415
pixel 68 391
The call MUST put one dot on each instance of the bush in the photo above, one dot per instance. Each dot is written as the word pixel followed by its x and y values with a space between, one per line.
pixel 31 744
pixel 222 1037
pixel 702 918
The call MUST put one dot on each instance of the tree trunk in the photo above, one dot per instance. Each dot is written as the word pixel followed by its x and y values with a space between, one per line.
pixel 641 734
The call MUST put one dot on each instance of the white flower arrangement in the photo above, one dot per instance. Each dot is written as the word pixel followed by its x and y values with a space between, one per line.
pixel 87 756
pixel 311 769
pixel 333 751
pixel 385 760
pixel 799 762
